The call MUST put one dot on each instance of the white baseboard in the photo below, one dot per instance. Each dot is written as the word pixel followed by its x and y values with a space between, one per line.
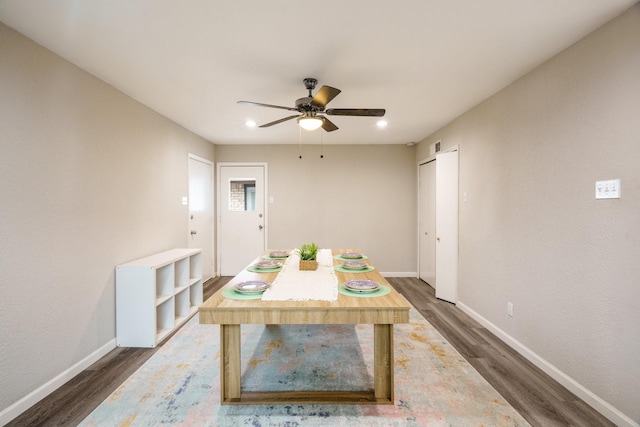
pixel 49 387
pixel 614 415
pixel 399 274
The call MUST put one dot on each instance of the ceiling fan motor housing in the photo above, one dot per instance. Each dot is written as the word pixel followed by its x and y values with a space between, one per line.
pixel 304 104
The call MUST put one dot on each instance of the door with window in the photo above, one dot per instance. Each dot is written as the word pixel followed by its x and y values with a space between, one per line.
pixel 242 215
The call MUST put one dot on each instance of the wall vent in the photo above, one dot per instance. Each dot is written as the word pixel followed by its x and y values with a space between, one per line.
pixel 435 147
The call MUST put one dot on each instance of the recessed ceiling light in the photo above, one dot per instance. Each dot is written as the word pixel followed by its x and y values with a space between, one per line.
pixel 251 124
pixel 382 124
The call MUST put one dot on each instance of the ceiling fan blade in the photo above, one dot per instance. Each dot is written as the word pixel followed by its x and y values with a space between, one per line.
pixel 258 104
pixel 328 125
pixel 324 95
pixel 279 121
pixel 369 112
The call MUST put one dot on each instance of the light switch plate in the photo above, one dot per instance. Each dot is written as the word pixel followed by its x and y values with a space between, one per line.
pixel 609 189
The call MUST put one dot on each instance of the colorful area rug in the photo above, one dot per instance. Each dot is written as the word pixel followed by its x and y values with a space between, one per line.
pixel 179 384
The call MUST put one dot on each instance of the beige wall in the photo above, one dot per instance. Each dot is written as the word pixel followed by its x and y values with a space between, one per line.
pixel 89 179
pixel 355 197
pixel 532 232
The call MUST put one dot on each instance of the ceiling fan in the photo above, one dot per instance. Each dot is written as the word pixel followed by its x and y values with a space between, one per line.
pixel 311 108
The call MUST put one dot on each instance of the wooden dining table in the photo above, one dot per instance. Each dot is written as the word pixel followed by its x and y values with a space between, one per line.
pixel 380 311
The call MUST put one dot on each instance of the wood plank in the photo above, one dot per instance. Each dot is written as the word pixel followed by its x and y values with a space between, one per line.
pixel 310 397
pixel 230 368
pixel 383 363
pixel 274 316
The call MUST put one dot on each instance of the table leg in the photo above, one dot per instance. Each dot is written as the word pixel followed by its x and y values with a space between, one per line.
pixel 383 362
pixel 229 363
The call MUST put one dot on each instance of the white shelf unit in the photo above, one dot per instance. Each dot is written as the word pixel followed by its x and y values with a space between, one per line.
pixel 156 295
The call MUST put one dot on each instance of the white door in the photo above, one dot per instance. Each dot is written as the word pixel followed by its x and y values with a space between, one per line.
pixel 447 226
pixel 427 222
pixel 242 216
pixel 201 211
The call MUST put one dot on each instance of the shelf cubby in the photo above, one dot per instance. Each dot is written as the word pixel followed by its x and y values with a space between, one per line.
pixel 182 272
pixel 155 295
pixel 164 280
pixel 183 305
pixel 195 266
pixel 165 316
pixel 196 293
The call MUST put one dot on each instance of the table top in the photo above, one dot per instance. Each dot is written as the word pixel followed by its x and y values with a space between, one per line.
pixel 386 309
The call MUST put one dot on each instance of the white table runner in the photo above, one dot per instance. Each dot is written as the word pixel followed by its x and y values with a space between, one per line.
pixel 292 284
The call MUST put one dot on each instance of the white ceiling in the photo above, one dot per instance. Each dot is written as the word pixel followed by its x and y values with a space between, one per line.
pixel 424 61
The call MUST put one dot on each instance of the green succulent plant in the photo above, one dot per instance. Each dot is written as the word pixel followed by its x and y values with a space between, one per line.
pixel 308 251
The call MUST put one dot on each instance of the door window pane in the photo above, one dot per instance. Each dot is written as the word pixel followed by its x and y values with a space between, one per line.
pixel 242 195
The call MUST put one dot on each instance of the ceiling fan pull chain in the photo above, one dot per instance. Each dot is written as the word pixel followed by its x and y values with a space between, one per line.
pixel 321 147
pixel 300 140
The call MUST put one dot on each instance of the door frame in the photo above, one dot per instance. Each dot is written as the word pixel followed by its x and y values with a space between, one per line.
pixel 433 157
pixel 191 156
pixel 219 166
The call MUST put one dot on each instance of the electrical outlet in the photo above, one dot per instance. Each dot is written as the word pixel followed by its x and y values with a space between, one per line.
pixel 510 309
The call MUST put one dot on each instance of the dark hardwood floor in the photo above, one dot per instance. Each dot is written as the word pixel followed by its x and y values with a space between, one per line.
pixel 535 395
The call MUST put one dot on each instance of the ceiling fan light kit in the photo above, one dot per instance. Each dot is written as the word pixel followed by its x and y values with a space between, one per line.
pixel 311 108
pixel 310 123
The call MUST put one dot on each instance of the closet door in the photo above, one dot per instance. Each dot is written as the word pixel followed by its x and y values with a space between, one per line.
pixel 447 226
pixel 427 222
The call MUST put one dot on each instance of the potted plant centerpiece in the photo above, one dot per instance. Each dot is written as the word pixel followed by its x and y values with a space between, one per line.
pixel 307 253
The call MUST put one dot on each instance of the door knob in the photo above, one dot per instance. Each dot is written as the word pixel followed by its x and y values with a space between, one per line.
pixel 193 232
pixel 438 239
pixel 260 227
